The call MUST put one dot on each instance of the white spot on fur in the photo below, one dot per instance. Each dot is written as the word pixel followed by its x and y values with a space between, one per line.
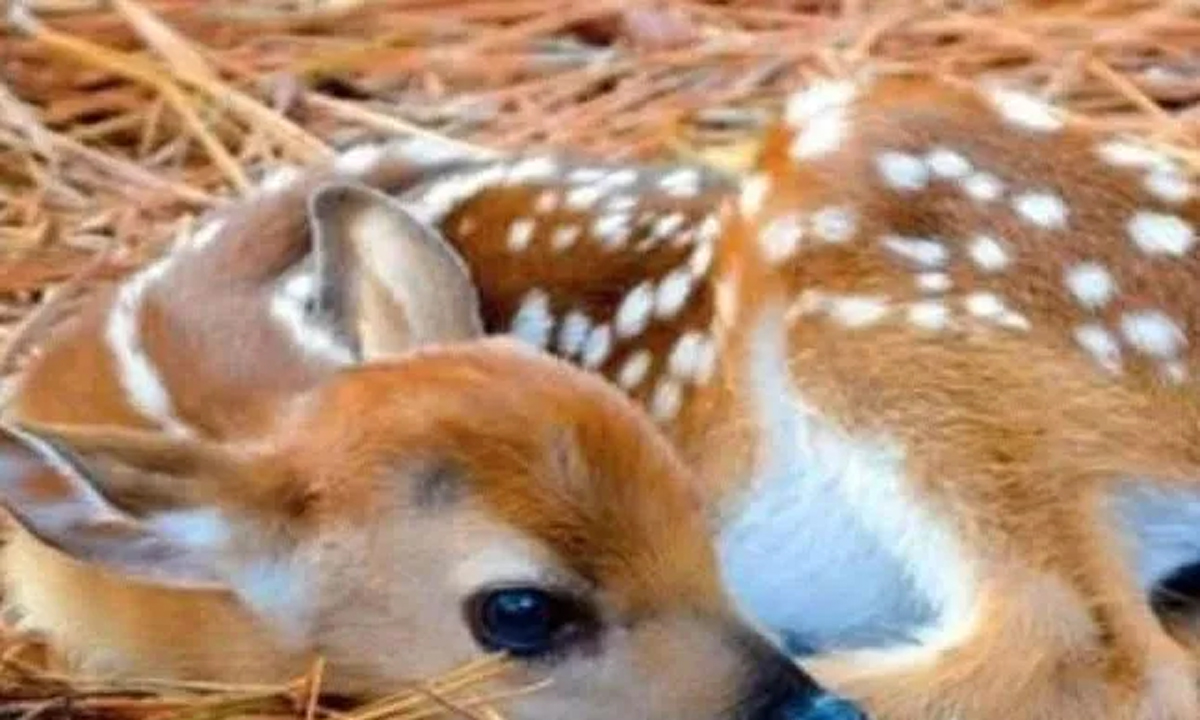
pixel 709 229
pixel 1153 333
pixel 754 194
pixel 432 203
pixel 856 311
pixel 144 388
pixel 947 164
pixel 1044 209
pixel 277 588
pixel 686 356
pixel 1024 110
pixel 533 322
pixel 921 251
pixel 1100 344
pixel 701 259
pixel 573 333
pixel 684 182
pixel 835 224
pixel 612 229
pixel 583 198
pixel 564 237
pixel 983 186
pixel 531 170
pixel 989 306
pixel 1161 234
pixel 289 308
pixel 667 225
pixel 780 238
pixel 929 315
pixel 934 282
pixel 1091 284
pixel 902 171
pixel 520 234
pixel 1129 154
pixel 633 315
pixel 988 253
pixel 818 99
pixel 673 292
pixel 634 370
pixel 666 400
pixel 359 159
pixel 598 347
pixel 1170 187
pixel 820 135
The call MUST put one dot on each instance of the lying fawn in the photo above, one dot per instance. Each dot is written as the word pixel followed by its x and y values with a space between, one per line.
pixel 205 489
pixel 933 363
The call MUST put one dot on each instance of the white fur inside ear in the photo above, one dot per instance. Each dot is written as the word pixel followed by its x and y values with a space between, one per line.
pixel 195 529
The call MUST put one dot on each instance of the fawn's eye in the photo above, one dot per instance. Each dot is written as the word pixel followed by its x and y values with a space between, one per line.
pixel 528 621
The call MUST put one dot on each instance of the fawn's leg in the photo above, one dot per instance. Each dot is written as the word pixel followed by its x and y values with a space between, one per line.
pixel 1056 630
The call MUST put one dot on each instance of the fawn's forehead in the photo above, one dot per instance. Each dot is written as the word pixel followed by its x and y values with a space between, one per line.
pixel 543 448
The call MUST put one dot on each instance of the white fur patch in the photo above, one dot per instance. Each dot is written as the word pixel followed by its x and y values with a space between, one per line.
pixel 1044 209
pixel 432 203
pixel 947 164
pixel 207 234
pixel 684 182
pixel 983 186
pixel 612 229
pixel 573 333
pixel 667 225
pixel 635 369
pixel 1154 333
pixel 564 237
pixel 854 311
pixel 204 529
pixel 754 194
pixel 988 253
pixel 520 234
pixel 673 293
pixel 934 282
pixel 545 202
pixel 819 98
pixel 1160 234
pixel 701 259
pixel 1023 110
pixel 989 306
pixel 902 171
pixel 688 355
pixel 1091 284
pixel 1130 154
pixel 832 544
pixel 597 347
pixel 666 400
pixel 533 321
pixel 1100 344
pixel 532 169
pixel 929 315
pixel 835 224
pixel 144 388
pixel 820 135
pixel 289 309
pixel 280 179
pixel 583 198
pixel 634 313
pixel 1170 187
pixel 780 238
pixel 922 252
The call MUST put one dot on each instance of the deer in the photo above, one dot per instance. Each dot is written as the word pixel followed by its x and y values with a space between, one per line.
pixel 932 361
pixel 288 439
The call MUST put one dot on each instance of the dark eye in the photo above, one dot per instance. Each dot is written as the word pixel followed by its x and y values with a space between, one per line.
pixel 527 621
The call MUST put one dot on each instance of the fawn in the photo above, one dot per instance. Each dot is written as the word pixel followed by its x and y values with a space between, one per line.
pixel 932 361
pixel 272 445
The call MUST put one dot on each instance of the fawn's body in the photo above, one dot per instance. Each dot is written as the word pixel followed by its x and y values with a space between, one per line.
pixel 933 365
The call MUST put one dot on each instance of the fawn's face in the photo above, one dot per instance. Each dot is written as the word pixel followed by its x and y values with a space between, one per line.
pixel 407 517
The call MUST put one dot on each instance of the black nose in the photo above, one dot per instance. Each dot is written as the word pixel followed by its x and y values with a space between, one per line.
pixel 818 707
pixel 780 690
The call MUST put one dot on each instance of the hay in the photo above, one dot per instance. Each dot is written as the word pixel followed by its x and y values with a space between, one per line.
pixel 121 121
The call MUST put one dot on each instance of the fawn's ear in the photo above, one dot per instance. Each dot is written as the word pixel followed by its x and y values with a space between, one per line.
pixel 385 281
pixel 138 503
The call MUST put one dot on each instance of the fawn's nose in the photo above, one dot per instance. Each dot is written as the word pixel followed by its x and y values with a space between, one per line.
pixel 815 707
pixel 781 690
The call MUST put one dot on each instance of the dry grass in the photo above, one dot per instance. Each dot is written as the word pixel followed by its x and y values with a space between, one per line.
pixel 121 121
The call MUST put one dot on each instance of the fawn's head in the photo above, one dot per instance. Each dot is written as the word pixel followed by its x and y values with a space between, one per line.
pixel 401 517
